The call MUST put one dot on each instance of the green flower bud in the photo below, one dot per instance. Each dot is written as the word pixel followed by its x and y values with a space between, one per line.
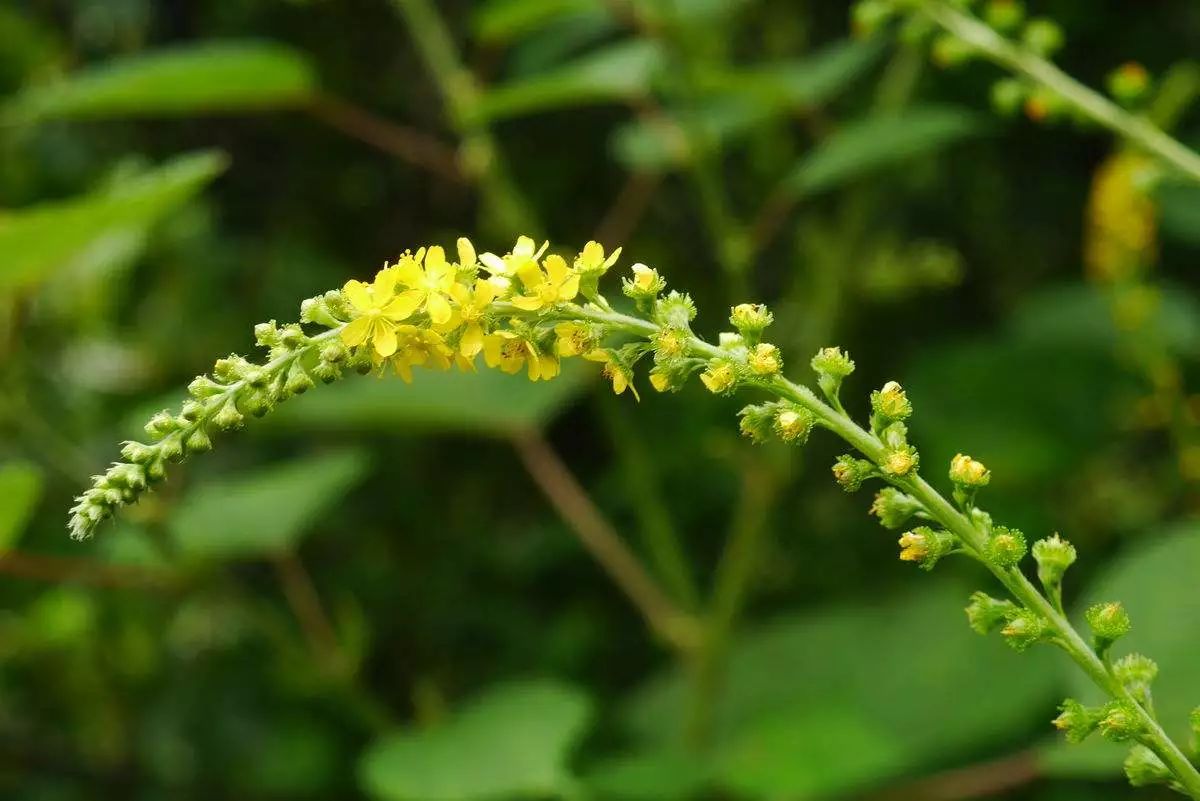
pixel 292 336
pixel 197 441
pixel 298 380
pixel 266 334
pixel 851 472
pixel 1043 105
pixel 949 51
pixel 968 473
pixel 833 363
pixel 1004 15
pixel 1143 768
pixel 890 403
pixel 1136 673
pixel 1109 622
pixel 1120 722
pixel 334 352
pixel 1129 82
pixel 900 461
pixel 1023 629
pixel 324 310
pixel 156 470
pixel 228 417
pixel 162 424
pixel 676 310
pixel 1008 94
pixel 1053 556
pixel 751 319
pixel 327 372
pixel 868 16
pixel 128 476
pixel 1076 721
pixel 231 368
pixel 138 453
pixel 894 508
pixel 925 546
pixel 171 448
pixel 203 387
pixel 793 423
pixel 757 421
pixel 985 614
pixel 257 402
pixel 1006 546
pixel 1043 36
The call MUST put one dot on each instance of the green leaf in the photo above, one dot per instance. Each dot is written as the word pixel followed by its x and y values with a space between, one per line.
pixel 38 240
pixel 487 402
pixel 264 512
pixel 874 143
pixel 617 73
pixel 657 775
pixel 513 740
pixel 222 76
pixel 20 490
pixel 506 20
pixel 806 712
pixel 1156 582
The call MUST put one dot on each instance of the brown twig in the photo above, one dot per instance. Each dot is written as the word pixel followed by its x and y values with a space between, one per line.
pixel 981 780
pixel 410 144
pixel 306 605
pixel 65 569
pixel 602 541
pixel 628 208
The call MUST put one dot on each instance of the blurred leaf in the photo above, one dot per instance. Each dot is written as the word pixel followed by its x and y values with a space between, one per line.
pixel 800 686
pixel 799 83
pixel 513 740
pixel 38 240
pixel 659 775
pixel 1179 211
pixel 1156 581
pixel 616 73
pixel 506 20
pixel 487 402
pixel 221 76
pixel 20 489
pixel 739 100
pixel 265 511
pixel 875 143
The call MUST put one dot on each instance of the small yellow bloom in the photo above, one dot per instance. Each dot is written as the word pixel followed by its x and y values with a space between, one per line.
pixel 472 306
pixel 429 286
pixel 914 546
pixel 764 359
pixel 900 462
pixel 669 343
pixel 591 258
pixel 645 278
pixel 379 310
pixel 573 338
pixel 420 347
pixel 968 472
pixel 614 371
pixel 719 377
pixel 553 282
pixel 524 253
pixel 510 352
pixel 660 380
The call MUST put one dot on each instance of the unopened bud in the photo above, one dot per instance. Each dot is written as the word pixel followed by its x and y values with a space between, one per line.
pixel 851 472
pixel 1109 622
pixel 1120 722
pixel 925 546
pixel 966 472
pixel 890 403
pixel 1053 556
pixel 1023 629
pixel 985 614
pixel 1006 546
pixel 894 508
pixel 764 360
pixel 793 423
pixel 719 377
pixel 751 319
pixel 1076 721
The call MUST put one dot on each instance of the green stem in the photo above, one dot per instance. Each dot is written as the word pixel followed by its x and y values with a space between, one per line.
pixel 1094 105
pixel 974 539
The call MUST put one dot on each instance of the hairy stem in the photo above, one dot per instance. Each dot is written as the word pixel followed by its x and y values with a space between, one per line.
pixel 1095 106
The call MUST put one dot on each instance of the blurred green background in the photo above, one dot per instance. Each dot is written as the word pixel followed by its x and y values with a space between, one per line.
pixel 371 593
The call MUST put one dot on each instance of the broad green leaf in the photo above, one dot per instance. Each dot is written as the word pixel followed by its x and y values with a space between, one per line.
pixel 506 20
pixel 656 775
pixel 1156 581
pixel 265 511
pixel 193 79
pixel 874 143
pixel 513 740
pixel 20 489
pixel 616 73
pixel 804 698
pixel 486 402
pixel 36 241
pixel 736 101
pixel 798 83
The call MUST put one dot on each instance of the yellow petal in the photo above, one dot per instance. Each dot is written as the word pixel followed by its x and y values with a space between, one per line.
pixel 438 308
pixel 592 254
pixel 493 263
pixel 358 294
pixel 556 268
pixel 402 306
pixel 472 341
pixel 527 302
pixel 461 294
pixel 409 272
pixel 436 266
pixel 485 292
pixel 569 288
pixel 403 369
pixel 385 285
pixel 355 333
pixel 531 275
pixel 612 258
pixel 524 247
pixel 384 337
pixel 466 253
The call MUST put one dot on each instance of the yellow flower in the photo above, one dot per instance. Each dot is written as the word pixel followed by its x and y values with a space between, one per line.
pixel 914 546
pixel 591 258
pixel 379 309
pixel 614 371
pixel 764 359
pixel 420 347
pixel 645 278
pixel 472 306
pixel 660 380
pixel 574 338
pixel 510 352
pixel 524 253
pixel 429 286
pixel 719 377
pixel 551 283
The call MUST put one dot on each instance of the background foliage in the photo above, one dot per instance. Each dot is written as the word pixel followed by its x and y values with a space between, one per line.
pixel 368 597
